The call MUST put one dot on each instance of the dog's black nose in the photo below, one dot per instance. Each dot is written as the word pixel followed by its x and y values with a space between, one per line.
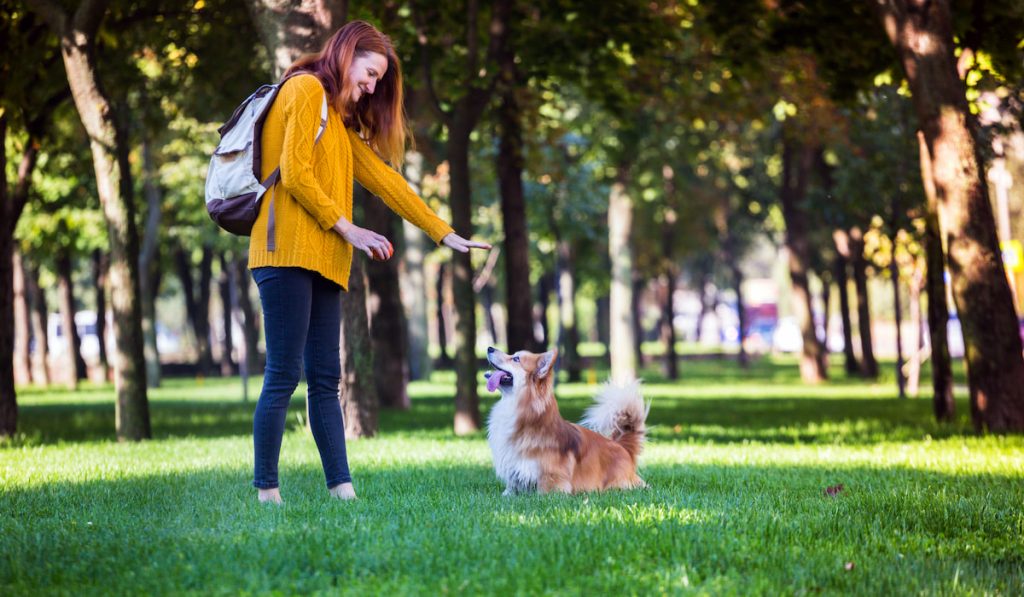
pixel 490 349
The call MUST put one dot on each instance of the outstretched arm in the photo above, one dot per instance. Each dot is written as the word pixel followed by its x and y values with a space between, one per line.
pixel 383 181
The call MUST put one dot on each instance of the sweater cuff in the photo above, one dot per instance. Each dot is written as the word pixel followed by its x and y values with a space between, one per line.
pixel 438 231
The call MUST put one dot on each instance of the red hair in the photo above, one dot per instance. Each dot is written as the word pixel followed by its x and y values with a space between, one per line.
pixel 379 117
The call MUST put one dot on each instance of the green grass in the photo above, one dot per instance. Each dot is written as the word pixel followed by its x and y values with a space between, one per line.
pixel 738 462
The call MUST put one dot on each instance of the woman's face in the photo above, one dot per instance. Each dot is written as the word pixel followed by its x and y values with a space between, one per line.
pixel 365 72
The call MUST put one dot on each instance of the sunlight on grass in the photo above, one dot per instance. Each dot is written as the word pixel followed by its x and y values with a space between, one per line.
pixel 737 463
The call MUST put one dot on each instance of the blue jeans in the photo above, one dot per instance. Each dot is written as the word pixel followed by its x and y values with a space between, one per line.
pixel 302 321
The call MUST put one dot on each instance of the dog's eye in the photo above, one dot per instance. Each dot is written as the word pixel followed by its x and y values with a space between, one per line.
pixel 516 359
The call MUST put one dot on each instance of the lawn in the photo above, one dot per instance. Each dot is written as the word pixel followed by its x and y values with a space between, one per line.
pixel 738 463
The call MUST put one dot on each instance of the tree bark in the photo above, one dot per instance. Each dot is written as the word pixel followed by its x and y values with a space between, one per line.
pixel 922 34
pixel 413 282
pixel 569 335
pixel 22 327
pixel 797 161
pixel 100 266
pixel 113 180
pixel 914 367
pixel 74 365
pixel 227 365
pixel 868 364
pixel 443 290
pixel 467 403
pixel 620 228
pixel 358 393
pixel 251 327
pixel 148 262
pixel 38 316
pixel 840 270
pixel 291 28
pixel 544 287
pixel 894 274
pixel 197 304
pixel 668 329
pixel 943 402
pixel 12 202
pixel 513 206
pixel 737 280
pixel 386 317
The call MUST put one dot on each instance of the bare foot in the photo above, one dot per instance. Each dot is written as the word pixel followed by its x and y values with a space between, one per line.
pixel 345 491
pixel 270 495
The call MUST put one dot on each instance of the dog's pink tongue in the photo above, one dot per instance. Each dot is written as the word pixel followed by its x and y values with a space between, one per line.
pixel 494 380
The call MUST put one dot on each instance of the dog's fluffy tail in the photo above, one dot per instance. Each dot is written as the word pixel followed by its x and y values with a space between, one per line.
pixel 619 413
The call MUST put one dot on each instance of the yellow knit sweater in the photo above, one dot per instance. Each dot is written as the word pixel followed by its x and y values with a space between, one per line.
pixel 315 188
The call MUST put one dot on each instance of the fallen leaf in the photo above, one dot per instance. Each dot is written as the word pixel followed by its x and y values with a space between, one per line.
pixel 834 490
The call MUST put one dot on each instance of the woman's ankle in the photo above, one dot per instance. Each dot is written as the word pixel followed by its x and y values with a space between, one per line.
pixel 343 491
pixel 272 495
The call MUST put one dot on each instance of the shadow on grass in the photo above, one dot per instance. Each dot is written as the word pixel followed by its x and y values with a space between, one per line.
pixel 720 420
pixel 747 529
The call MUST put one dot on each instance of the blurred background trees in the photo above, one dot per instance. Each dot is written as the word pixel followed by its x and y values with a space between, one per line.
pixel 661 181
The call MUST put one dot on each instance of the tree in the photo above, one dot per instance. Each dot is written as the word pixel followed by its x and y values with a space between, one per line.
pixel 922 34
pixel 473 86
pixel 77 34
pixel 27 102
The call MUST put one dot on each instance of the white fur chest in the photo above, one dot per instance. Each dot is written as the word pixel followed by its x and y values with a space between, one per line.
pixel 518 472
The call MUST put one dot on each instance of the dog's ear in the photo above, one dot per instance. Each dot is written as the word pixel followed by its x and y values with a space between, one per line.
pixel 545 363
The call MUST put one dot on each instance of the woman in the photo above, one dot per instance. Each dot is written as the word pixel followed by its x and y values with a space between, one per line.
pixel 301 248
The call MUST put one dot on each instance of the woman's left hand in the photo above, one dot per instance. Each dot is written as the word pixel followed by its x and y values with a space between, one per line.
pixel 462 245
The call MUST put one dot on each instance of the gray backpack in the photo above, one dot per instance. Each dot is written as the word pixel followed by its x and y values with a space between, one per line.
pixel 233 186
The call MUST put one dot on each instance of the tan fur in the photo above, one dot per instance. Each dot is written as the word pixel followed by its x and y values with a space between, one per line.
pixel 571 458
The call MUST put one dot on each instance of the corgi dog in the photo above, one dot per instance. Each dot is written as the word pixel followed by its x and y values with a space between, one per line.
pixel 535 449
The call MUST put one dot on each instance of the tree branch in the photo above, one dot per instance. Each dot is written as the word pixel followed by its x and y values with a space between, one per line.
pixel 428 78
pixel 89 16
pixel 51 12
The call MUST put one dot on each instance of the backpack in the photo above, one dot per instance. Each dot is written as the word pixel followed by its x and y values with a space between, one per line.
pixel 233 186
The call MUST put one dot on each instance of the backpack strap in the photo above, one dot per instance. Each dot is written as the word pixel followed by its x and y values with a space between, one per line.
pixel 271 181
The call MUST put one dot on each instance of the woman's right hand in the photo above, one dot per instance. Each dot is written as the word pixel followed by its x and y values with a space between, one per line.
pixel 376 246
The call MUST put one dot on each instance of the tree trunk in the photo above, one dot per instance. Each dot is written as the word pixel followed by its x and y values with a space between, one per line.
pixel 826 310
pixel 12 202
pixel 922 35
pixel 413 282
pixel 797 160
pixel 842 243
pixel 544 287
pixel 38 316
pixel 702 286
pixel 668 329
pixel 569 335
pixel 868 364
pixel 113 181
pixel 387 319
pixel 737 280
pixel 291 28
pixel 894 274
pixel 227 366
pixel 467 403
pixel 74 365
pixel 198 307
pixel 100 266
pixel 251 321
pixel 358 392
pixel 620 228
pixel 513 207
pixel 148 264
pixel 636 310
pixel 22 327
pixel 943 401
pixel 443 286
pixel 914 367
